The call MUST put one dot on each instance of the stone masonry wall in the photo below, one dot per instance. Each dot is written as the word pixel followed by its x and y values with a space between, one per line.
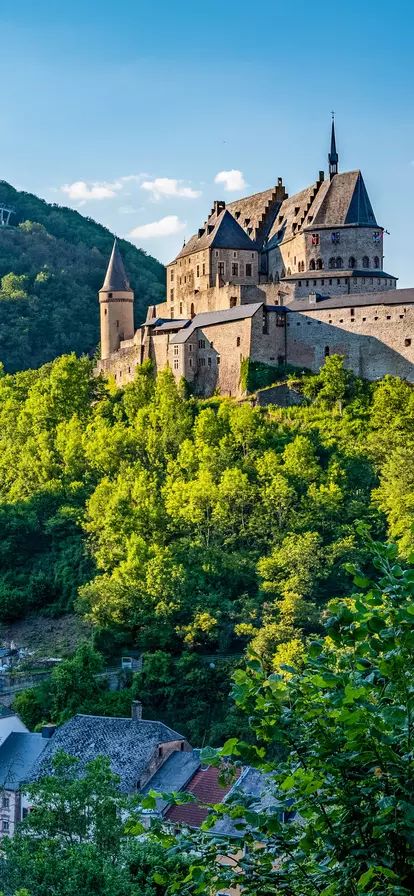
pixel 375 340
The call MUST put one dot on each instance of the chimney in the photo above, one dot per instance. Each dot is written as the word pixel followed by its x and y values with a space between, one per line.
pixel 48 731
pixel 136 710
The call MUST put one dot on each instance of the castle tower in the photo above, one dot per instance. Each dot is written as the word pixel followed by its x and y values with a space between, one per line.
pixel 333 155
pixel 116 301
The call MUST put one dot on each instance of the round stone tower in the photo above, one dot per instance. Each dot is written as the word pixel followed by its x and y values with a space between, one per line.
pixel 116 301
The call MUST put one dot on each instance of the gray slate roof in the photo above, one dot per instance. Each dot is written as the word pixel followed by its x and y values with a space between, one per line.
pixel 253 788
pixel 18 754
pixel 220 232
pixel 210 318
pixel 391 297
pixel 346 203
pixel 127 743
pixel 115 278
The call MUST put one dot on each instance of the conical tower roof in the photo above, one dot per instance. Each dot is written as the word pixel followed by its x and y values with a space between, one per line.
pixel 116 279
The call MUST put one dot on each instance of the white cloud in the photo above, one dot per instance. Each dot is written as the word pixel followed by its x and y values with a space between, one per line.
pixel 82 191
pixel 162 187
pixel 164 227
pixel 233 180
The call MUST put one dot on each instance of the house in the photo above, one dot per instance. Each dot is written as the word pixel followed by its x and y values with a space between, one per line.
pixel 18 754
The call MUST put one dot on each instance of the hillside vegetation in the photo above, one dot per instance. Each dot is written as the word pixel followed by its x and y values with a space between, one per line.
pixel 189 529
pixel 52 264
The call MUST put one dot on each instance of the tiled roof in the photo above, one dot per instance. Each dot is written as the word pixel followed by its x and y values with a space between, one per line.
pixel 391 297
pixel 220 231
pixel 206 788
pixel 209 318
pixel 18 754
pixel 128 744
pixel 115 278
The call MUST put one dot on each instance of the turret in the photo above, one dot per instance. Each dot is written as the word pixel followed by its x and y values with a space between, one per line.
pixel 116 300
pixel 333 157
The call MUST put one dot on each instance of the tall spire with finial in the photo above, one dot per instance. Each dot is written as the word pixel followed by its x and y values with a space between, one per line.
pixel 333 155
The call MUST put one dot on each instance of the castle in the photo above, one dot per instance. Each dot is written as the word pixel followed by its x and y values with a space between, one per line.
pixel 271 278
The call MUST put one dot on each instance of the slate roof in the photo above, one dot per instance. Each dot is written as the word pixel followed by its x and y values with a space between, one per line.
pixel 295 210
pixel 129 745
pixel 346 203
pixel 115 278
pixel 209 318
pixel 18 754
pixel 253 788
pixel 256 212
pixel 220 232
pixel 391 297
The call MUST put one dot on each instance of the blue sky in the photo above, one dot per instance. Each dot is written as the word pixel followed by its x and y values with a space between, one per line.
pixel 129 110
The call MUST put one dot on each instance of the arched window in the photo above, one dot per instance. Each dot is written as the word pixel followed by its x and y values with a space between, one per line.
pixel 365 261
pixel 289 272
pixel 376 262
pixel 339 262
pixel 312 264
pixel 319 264
pixel 326 351
pixel 238 341
pixel 352 263
pixel 192 312
pixel 332 264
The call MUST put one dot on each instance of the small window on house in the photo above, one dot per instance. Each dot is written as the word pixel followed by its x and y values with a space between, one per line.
pixel 176 349
pixel 248 269
pixel 407 342
pixel 110 294
pixel 5 802
pixel 376 262
pixel 171 295
pixel 221 268
pixel 351 262
pixel 5 825
pixel 198 270
pixel 332 264
pixel 364 318
pixel 175 368
pixel 201 343
pixel 338 282
pixel 171 275
pixel 190 362
pixel 299 282
pixel 233 301
pixel 181 307
pixel 319 264
pixel 326 352
pixel 338 262
pixel 190 347
pixel 209 361
pixel 388 317
pixel 265 323
pixel 312 264
pixel 204 270
pixel 238 341
pixel 235 269
pixel 217 255
pixel 352 310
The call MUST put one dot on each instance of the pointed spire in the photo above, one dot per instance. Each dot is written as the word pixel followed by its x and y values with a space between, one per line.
pixel 116 279
pixel 333 155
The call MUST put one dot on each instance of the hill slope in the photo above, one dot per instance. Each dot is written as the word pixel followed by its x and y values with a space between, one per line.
pixel 59 260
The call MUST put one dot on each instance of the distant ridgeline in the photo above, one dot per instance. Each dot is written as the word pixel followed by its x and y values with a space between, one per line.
pixel 52 263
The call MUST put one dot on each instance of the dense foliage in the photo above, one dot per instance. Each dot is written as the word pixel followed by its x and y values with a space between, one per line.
pixel 73 841
pixel 335 743
pixel 52 264
pixel 188 529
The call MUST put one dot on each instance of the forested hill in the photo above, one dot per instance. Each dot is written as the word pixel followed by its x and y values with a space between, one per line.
pixel 52 263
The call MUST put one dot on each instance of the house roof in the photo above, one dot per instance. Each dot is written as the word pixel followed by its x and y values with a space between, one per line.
pixel 254 789
pixel 221 231
pixel 340 272
pixel 210 318
pixel 294 212
pixel 257 212
pixel 206 788
pixel 18 754
pixel 128 744
pixel 391 297
pixel 116 278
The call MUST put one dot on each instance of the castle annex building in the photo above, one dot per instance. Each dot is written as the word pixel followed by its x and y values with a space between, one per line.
pixel 272 278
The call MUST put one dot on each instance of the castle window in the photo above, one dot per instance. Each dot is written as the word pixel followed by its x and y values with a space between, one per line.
pixel 202 362
pixel 106 311
pixel 209 361
pixel 322 282
pixel 235 269
pixel 171 295
pixel 332 263
pixel 265 323
pixel 339 262
pixel 364 318
pixel 299 282
pixel 176 349
pixel 330 283
pixel 388 317
pixel 217 255
pixel 352 262
pixel 185 279
pixel 201 343
pixel 326 351
pixel 319 264
pixel 238 341
pixel 221 268
pixel 314 282
pixel 352 310
pixel 307 283
pixel 233 301
pixel 191 362
pixel 376 262
pixel 218 359
pixel 204 270
pixel 192 312
pixel 407 342
pixel 176 365
pixel 110 295
pixel 248 270
pixel 365 261
pixel 181 307
pixel 338 282
pixel 289 272
pixel 171 275
pixel 312 264
pixel 315 239
pixel 198 270
pixel 5 825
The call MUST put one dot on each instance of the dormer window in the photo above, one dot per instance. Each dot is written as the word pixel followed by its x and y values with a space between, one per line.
pixel 297 209
pixel 281 219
